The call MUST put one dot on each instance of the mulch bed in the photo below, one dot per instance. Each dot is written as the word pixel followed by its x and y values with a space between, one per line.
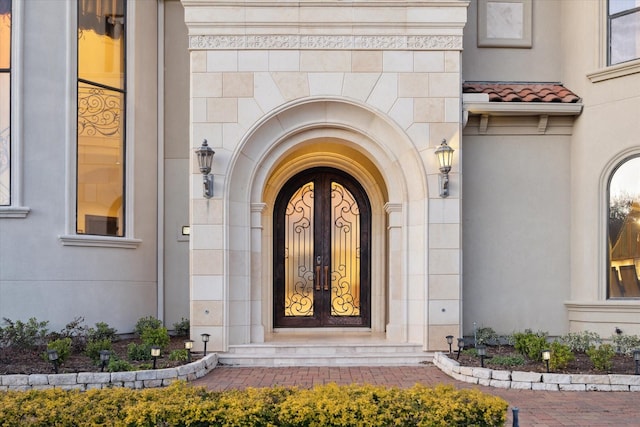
pixel 622 364
pixel 18 361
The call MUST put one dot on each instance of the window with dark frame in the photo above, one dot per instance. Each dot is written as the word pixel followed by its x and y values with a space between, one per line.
pixel 5 102
pixel 623 19
pixel 101 54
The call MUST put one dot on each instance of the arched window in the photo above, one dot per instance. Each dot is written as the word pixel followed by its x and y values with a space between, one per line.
pixel 624 230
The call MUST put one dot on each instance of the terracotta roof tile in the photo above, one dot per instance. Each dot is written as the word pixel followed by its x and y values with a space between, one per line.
pixel 522 92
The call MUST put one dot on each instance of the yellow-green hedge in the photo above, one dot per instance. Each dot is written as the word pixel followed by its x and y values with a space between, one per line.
pixel 182 405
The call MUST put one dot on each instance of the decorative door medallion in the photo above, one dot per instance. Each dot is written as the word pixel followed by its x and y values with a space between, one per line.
pixel 322 232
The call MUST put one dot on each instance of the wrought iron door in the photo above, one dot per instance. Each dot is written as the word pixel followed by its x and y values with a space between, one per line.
pixel 322 223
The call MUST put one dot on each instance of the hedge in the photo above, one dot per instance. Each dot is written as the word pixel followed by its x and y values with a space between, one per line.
pixel 183 405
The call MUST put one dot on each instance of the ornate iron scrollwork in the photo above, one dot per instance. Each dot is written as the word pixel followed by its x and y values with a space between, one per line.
pixel 99 112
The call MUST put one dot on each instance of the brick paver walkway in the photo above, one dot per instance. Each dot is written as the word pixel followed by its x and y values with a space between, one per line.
pixel 536 408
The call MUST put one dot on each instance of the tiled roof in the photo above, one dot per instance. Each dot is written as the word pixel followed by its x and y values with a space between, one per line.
pixel 522 92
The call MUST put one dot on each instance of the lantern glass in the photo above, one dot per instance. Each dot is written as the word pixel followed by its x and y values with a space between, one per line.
pixel 546 354
pixel 445 156
pixel 481 349
pixel 205 157
pixel 636 355
pixel 155 351
pixel 52 355
pixel 205 337
pixel 105 355
pixel 449 339
pixel 188 344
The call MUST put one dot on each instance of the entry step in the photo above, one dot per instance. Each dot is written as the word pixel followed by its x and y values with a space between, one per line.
pixel 324 355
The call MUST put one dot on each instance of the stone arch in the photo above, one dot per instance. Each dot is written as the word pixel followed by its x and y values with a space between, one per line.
pixel 305 133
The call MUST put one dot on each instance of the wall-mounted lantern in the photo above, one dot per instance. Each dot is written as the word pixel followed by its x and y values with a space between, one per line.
pixel 445 159
pixel 205 159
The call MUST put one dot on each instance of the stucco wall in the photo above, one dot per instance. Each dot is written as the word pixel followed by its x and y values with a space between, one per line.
pixel 606 132
pixel 516 232
pixel 541 62
pixel 39 276
pixel 177 156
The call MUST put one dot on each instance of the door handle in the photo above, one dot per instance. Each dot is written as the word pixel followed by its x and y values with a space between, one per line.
pixel 318 278
pixel 326 277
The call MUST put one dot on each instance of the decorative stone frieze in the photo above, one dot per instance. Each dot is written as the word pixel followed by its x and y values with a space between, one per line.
pixel 333 42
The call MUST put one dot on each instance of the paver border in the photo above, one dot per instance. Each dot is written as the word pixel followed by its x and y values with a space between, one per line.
pixel 535 380
pixel 96 380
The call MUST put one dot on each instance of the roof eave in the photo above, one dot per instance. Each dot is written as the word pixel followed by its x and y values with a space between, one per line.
pixel 522 108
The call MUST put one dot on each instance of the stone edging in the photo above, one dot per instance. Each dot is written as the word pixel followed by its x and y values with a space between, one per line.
pixel 96 380
pixel 535 380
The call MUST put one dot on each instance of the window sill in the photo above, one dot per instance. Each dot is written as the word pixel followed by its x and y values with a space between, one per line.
pixel 615 71
pixel 14 211
pixel 99 241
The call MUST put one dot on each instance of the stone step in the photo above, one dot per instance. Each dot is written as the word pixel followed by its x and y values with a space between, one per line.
pixel 324 355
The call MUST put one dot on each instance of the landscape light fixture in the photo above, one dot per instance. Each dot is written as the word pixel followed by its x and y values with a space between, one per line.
pixel 636 358
pixel 546 356
pixel 481 349
pixel 444 153
pixel 205 159
pixel 155 352
pixel 188 345
pixel 460 347
pixel 105 356
pixel 205 340
pixel 52 355
pixel 449 341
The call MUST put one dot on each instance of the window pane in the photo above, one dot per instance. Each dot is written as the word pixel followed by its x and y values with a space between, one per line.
pixel 100 161
pixel 101 117
pixel 5 102
pixel 625 38
pixel 5 141
pixel 101 42
pixel 624 230
pixel 5 33
pixel 616 6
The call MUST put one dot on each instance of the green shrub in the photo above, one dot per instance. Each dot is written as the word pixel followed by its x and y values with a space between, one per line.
pixel 486 336
pixel 580 342
pixel 148 322
pixel 62 346
pixel 515 360
pixel 602 356
pixel 101 332
pixel 470 352
pixel 625 344
pixel 561 356
pixel 156 337
pixel 327 405
pixel 182 328
pixel 138 352
pixel 119 365
pixel 94 347
pixel 23 335
pixel 530 344
pixel 181 355
pixel 77 331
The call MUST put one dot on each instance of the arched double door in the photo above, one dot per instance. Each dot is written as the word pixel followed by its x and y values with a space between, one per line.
pixel 322 240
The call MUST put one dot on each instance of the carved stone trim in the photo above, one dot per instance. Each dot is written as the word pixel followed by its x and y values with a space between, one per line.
pixel 382 42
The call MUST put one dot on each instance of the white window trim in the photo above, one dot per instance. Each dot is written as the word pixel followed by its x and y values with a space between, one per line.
pixel 608 72
pixel 16 209
pixel 71 238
